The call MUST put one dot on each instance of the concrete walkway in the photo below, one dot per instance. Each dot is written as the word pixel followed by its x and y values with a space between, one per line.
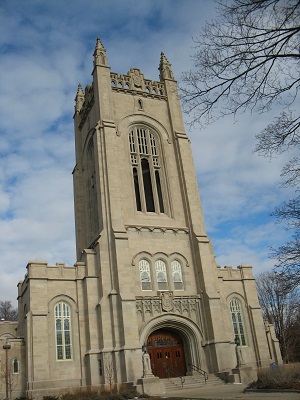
pixel 229 392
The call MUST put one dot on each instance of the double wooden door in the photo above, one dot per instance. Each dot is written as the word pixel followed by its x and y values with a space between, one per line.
pixel 166 349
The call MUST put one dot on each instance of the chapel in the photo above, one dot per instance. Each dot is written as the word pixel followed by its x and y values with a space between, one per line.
pixel 145 299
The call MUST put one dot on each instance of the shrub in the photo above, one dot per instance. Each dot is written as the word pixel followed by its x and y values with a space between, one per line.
pixel 21 398
pixel 81 395
pixel 128 392
pixel 281 377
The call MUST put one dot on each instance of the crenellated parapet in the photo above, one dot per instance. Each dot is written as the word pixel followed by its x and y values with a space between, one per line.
pixel 242 272
pixel 135 83
pixel 41 270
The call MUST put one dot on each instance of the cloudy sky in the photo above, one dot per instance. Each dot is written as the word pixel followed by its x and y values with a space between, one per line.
pixel 46 49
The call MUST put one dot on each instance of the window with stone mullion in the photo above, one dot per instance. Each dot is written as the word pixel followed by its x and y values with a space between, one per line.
pixel 237 322
pixel 63 332
pixel 146 170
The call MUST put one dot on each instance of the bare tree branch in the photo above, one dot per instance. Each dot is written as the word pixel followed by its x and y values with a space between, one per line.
pixel 282 309
pixel 7 311
pixel 248 59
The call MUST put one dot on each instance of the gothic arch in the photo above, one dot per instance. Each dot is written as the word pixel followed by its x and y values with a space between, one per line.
pixel 245 321
pixel 187 330
pixel 74 328
pixel 137 119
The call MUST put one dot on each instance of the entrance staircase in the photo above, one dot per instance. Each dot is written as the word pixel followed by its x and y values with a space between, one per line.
pixel 191 382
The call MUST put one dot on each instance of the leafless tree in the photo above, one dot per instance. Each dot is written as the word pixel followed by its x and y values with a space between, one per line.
pixel 7 311
pixel 288 255
pixel 109 371
pixel 9 377
pixel 247 59
pixel 282 309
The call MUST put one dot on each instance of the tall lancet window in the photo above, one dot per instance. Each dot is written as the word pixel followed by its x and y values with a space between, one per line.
pixel 63 331
pixel 161 275
pixel 146 170
pixel 145 275
pixel 177 275
pixel 237 322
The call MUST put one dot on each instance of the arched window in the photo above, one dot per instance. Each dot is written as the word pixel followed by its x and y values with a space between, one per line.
pixel 237 322
pixel 146 170
pixel 177 275
pixel 145 275
pixel 63 331
pixel 161 275
pixel 15 366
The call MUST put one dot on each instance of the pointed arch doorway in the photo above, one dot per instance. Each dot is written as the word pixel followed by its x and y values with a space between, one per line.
pixel 165 348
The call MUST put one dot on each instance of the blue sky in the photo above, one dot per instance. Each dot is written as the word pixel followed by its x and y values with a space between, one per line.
pixel 46 49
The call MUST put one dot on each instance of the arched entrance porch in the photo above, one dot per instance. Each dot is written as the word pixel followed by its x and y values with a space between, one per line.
pixel 166 351
pixel 185 332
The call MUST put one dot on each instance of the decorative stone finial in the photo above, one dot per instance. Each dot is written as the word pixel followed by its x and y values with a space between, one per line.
pixel 99 54
pixel 165 68
pixel 79 99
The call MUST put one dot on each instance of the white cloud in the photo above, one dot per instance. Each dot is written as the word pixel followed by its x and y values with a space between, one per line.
pixel 46 49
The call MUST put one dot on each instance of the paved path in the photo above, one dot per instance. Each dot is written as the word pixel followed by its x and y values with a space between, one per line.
pixel 229 392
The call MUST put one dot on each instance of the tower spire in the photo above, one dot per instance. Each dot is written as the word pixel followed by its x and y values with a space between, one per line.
pixel 79 98
pixel 100 58
pixel 165 70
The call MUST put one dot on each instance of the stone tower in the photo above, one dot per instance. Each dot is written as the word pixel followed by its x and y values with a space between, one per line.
pixel 140 226
pixel 145 298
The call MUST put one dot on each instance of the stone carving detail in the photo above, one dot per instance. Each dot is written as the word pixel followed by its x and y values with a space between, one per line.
pixel 137 78
pixel 167 301
pixel 99 54
pixel 134 82
pixel 156 229
pixel 156 306
pixel 139 306
pixel 87 105
pixel 177 306
pixel 165 68
pixel 148 307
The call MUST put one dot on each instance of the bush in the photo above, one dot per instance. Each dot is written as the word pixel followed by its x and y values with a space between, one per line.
pixel 81 395
pixel 128 392
pixel 21 398
pixel 281 377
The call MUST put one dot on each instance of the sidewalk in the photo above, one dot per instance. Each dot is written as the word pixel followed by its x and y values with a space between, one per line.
pixel 229 392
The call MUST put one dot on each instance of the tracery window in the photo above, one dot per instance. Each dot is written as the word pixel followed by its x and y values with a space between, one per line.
pixel 146 170
pixel 177 275
pixel 63 331
pixel 145 275
pixel 161 275
pixel 237 322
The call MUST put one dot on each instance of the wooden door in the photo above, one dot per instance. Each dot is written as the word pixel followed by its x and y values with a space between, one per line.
pixel 165 348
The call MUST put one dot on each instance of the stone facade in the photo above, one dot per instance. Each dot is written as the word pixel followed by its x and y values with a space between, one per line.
pixel 146 271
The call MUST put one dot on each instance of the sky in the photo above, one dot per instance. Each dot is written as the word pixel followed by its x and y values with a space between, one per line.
pixel 46 49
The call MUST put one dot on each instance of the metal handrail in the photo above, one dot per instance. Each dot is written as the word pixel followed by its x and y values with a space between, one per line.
pixel 201 371
pixel 173 372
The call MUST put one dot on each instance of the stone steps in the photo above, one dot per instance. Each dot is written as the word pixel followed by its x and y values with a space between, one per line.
pixel 192 382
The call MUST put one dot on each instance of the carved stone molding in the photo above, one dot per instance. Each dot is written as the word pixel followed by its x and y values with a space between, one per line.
pixel 166 302
pixel 158 229
pixel 134 83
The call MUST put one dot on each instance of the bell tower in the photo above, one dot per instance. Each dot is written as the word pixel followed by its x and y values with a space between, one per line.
pixel 145 299
pixel 151 275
